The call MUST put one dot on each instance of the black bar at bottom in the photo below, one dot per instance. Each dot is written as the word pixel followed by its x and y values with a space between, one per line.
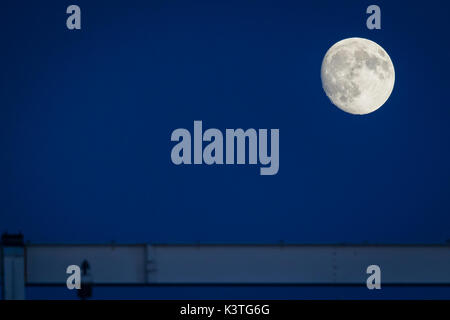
pixel 226 309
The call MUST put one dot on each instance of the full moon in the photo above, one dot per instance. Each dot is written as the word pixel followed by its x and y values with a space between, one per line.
pixel 357 75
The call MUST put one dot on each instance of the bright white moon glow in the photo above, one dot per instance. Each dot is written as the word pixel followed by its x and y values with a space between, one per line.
pixel 357 75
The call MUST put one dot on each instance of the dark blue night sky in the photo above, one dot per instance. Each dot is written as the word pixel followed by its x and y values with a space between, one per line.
pixel 86 118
